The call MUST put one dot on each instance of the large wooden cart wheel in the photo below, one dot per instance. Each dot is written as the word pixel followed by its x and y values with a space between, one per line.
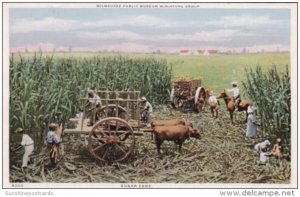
pixel 200 97
pixel 111 139
pixel 176 101
pixel 113 110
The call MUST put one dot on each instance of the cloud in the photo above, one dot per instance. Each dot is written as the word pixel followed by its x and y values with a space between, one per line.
pixel 112 35
pixel 202 36
pixel 208 36
pixel 52 24
pixel 49 47
pixel 244 21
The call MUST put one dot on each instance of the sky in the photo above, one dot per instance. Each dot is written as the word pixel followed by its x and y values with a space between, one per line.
pixel 148 30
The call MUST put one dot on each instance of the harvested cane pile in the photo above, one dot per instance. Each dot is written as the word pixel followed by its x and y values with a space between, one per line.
pixel 185 87
pixel 224 155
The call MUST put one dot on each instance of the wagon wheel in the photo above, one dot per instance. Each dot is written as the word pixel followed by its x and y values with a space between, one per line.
pixel 111 111
pixel 178 102
pixel 172 97
pixel 111 139
pixel 200 96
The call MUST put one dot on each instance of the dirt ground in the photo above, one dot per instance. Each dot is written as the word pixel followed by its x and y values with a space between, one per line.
pixel 224 155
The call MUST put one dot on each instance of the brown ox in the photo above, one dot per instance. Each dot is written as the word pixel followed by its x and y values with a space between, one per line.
pixel 231 105
pixel 178 134
pixel 171 122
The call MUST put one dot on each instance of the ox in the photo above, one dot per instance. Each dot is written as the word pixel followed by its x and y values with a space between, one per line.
pixel 177 133
pixel 171 122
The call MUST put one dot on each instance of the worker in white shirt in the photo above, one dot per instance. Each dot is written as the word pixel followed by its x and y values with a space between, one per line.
pixel 264 156
pixel 147 111
pixel 28 143
pixel 236 93
pixel 95 102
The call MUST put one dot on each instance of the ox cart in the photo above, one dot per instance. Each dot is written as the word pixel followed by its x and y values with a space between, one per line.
pixel 188 94
pixel 112 137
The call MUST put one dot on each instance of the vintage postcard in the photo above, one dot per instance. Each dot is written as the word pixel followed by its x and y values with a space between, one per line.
pixel 150 95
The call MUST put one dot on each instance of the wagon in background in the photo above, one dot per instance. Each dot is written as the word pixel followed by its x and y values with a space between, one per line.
pixel 187 93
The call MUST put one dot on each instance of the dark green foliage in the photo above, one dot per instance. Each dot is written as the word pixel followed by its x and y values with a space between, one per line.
pixel 271 93
pixel 47 89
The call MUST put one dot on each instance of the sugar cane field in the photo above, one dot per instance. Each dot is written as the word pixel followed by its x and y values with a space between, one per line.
pixel 46 88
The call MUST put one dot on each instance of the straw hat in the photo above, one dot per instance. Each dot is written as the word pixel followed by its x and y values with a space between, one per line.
pixel 144 98
pixel 52 126
pixel 90 92
pixel 234 83
pixel 19 130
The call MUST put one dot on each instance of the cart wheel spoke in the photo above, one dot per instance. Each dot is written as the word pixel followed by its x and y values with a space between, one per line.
pixel 99 130
pixel 124 143
pixel 98 147
pixel 108 127
pixel 119 147
pixel 101 140
pixel 105 153
pixel 117 127
pixel 125 133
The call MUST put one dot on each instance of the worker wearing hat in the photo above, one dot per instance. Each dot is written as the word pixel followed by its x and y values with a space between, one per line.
pixel 52 137
pixel 236 93
pixel 147 111
pixel 277 148
pixel 95 101
pixel 28 143
pixel 251 123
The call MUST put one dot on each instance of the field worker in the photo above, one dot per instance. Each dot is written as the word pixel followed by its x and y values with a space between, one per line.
pixel 236 93
pixel 95 101
pixel 251 123
pixel 214 104
pixel 28 143
pixel 52 137
pixel 213 98
pixel 277 148
pixel 147 111
pixel 79 114
pixel 259 146
pixel 264 156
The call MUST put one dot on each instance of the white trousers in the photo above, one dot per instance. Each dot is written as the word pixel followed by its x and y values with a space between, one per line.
pixel 28 151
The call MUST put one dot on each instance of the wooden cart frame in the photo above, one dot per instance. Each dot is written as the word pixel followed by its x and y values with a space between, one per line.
pixel 112 137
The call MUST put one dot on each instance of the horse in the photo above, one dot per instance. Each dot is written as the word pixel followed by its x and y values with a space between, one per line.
pixel 214 108
pixel 230 103
pixel 213 103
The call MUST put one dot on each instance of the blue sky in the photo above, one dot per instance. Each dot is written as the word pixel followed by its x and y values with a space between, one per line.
pixel 146 30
